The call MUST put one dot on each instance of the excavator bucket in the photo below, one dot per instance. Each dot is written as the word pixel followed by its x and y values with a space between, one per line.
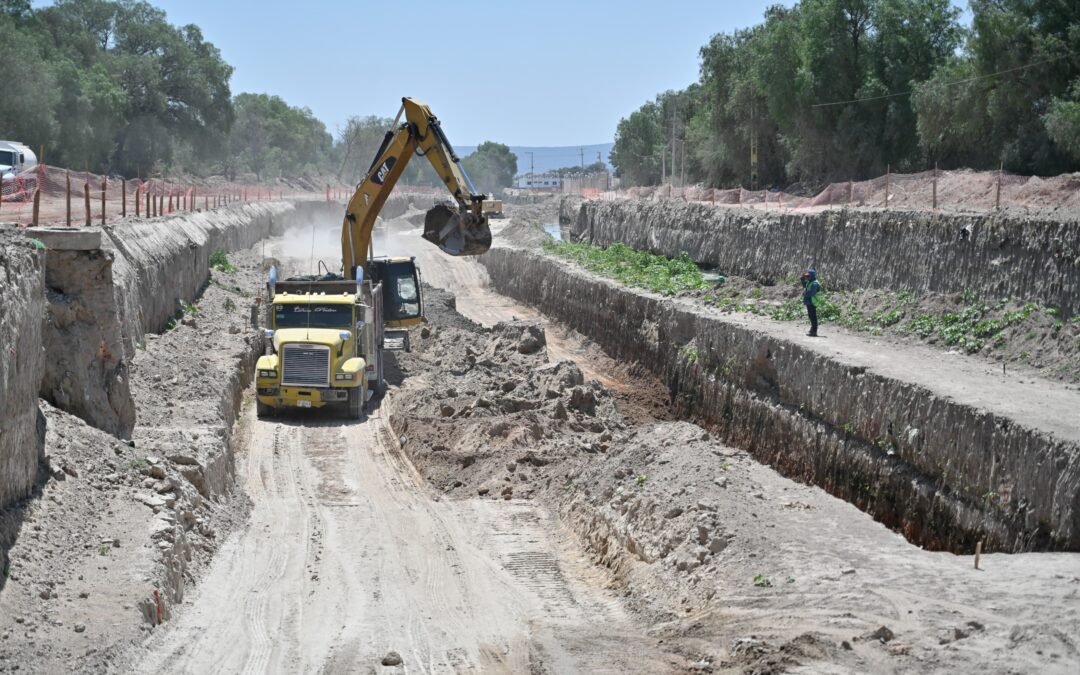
pixel 457 233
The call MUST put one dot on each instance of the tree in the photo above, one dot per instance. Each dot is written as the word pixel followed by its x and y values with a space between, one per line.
pixel 576 170
pixel 638 144
pixel 1063 123
pixel 16 9
pixel 1009 97
pixel 29 99
pixel 272 138
pixel 491 167
pixel 357 144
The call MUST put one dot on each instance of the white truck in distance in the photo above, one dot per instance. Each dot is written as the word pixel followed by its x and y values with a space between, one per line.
pixel 15 158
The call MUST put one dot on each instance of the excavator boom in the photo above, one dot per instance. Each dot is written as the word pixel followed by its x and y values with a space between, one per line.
pixel 458 233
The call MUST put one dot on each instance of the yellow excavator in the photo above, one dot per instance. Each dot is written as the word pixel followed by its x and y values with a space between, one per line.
pixel 327 333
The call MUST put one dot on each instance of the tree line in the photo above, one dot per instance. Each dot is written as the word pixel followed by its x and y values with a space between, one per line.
pixel 832 90
pixel 110 86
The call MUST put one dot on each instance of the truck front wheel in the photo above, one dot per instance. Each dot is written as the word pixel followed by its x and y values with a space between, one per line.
pixel 262 410
pixel 355 410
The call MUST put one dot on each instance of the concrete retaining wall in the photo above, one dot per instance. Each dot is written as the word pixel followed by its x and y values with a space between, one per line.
pixel 944 473
pixel 22 365
pixel 1027 258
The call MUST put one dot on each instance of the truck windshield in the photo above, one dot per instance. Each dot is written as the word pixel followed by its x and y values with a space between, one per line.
pixel 312 316
pixel 7 158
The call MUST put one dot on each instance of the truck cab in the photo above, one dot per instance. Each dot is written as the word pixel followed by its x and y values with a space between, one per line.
pixel 15 158
pixel 322 338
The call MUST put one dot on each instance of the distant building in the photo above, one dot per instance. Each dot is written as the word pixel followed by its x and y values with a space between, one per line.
pixel 538 181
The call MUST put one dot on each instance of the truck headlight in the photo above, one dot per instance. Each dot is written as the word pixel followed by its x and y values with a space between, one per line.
pixel 267 373
pixel 345 377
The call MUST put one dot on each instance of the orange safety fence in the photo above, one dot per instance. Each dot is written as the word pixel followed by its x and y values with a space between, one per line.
pixel 957 190
pixel 49 195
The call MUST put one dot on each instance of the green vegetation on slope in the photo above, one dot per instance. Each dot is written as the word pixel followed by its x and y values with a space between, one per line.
pixel 634 268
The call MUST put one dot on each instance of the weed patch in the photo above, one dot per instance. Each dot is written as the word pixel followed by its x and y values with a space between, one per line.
pixel 656 273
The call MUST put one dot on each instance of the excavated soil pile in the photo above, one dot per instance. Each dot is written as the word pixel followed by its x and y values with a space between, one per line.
pixel 502 413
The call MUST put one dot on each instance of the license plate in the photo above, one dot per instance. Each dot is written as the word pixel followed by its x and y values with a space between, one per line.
pixel 303 404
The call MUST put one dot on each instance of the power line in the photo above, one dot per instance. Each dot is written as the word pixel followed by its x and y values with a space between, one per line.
pixel 945 84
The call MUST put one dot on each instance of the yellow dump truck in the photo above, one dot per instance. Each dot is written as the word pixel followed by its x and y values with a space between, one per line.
pixel 324 337
pixel 493 208
pixel 326 334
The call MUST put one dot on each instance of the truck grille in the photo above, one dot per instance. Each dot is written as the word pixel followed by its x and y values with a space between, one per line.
pixel 305 366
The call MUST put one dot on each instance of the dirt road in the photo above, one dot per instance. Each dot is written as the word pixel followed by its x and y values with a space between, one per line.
pixel 469 281
pixel 348 557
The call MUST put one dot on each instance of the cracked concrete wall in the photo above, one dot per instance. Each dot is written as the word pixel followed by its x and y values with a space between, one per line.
pixel 22 365
pixel 917 462
pixel 1030 258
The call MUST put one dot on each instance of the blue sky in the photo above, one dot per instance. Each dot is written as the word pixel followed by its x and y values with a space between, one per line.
pixel 550 72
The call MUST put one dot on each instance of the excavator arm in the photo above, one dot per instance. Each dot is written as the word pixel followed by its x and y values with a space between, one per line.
pixel 459 233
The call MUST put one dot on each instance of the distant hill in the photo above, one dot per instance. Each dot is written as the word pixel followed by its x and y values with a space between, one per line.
pixel 551 158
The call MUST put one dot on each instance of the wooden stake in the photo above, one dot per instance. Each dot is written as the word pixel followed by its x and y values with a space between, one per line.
pixel 978 553
pixel 138 199
pixel 123 199
pixel 888 175
pixel 934 203
pixel 850 191
pixel 997 195
pixel 37 203
pixel 161 204
pixel 67 191
pixel 86 199
pixel 104 189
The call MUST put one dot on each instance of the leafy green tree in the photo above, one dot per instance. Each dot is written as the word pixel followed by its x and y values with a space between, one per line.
pixel 639 140
pixel 357 144
pixel 1063 123
pixel 271 138
pixel 575 171
pixel 30 95
pixel 16 9
pixel 1011 93
pixel 491 167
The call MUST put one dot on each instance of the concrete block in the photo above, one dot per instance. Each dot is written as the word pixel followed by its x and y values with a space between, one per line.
pixel 67 238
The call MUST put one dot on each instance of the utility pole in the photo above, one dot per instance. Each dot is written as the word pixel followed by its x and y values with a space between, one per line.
pixel 582 151
pixel 674 114
pixel 753 142
pixel 682 161
pixel 529 153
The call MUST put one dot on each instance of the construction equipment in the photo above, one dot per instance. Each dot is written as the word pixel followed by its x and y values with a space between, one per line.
pixel 493 208
pixel 15 158
pixel 327 332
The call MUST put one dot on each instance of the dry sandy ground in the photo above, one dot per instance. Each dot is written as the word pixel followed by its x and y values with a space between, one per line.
pixel 349 556
pixel 645 546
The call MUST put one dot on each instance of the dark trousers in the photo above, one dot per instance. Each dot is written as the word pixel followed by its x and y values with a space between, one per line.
pixel 812 312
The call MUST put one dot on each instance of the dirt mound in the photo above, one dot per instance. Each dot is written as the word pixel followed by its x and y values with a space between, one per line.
pixel 502 413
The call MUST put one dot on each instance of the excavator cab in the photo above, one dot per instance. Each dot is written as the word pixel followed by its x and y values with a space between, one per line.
pixel 403 301
pixel 402 298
